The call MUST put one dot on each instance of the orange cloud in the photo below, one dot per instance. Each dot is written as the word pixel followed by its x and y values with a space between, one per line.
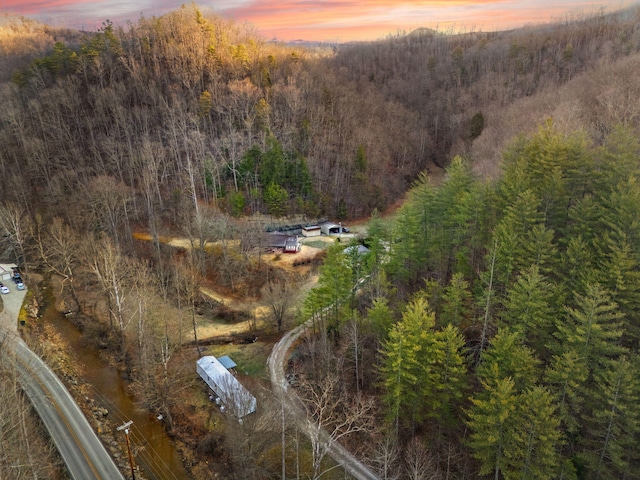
pixel 344 20
pixel 334 20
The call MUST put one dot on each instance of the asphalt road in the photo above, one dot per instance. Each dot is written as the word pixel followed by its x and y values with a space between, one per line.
pixel 79 446
pixel 276 362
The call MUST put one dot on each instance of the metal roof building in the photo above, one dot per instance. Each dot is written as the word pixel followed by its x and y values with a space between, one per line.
pixel 287 243
pixel 227 363
pixel 227 387
pixel 6 271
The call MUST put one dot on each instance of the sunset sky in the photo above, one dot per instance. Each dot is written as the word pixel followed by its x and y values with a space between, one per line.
pixel 327 20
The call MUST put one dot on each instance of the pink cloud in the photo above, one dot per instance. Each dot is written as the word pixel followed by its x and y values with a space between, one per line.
pixel 371 19
pixel 35 7
pixel 338 20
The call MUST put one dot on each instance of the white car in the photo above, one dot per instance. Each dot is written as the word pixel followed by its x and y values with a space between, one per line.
pixel 4 289
pixel 20 286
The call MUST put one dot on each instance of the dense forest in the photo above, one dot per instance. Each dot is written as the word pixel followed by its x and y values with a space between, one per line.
pixel 491 330
pixel 501 318
pixel 184 108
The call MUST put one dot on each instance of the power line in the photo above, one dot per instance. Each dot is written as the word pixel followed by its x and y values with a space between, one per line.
pixel 147 453
pixel 125 427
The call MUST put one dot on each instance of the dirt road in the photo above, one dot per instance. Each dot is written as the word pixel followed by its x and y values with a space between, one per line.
pixel 276 364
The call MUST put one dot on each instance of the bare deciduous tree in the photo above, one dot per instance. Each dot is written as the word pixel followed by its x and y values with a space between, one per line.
pixel 25 451
pixel 112 270
pixel 277 295
pixel 108 199
pixel 188 281
pixel 251 437
pixel 15 226
pixel 58 247
pixel 160 336
pixel 386 456
pixel 419 464
pixel 333 414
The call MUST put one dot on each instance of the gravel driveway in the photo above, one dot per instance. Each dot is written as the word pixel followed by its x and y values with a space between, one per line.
pixel 12 303
pixel 276 365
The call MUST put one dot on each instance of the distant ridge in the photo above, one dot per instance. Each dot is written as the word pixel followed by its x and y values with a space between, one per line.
pixel 423 32
pixel 306 43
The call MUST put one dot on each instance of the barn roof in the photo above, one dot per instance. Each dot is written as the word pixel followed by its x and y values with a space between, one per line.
pixel 279 240
pixel 289 243
pixel 226 362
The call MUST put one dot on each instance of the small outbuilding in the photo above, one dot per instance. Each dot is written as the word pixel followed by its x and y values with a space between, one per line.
pixel 6 271
pixel 226 387
pixel 227 363
pixel 330 228
pixel 311 231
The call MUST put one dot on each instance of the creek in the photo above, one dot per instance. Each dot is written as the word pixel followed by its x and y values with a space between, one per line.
pixel 154 452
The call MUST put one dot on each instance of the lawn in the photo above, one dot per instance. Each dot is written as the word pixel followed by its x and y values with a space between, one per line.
pixel 251 358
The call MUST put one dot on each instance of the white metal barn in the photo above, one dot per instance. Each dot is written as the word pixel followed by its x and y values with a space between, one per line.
pixel 329 228
pixel 335 230
pixel 226 387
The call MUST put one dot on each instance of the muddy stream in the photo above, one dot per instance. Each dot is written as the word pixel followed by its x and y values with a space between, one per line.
pixel 154 452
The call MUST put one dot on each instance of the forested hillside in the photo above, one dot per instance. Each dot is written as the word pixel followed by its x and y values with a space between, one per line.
pixel 501 326
pixel 205 111
pixel 183 109
pixel 459 84
pixel 492 329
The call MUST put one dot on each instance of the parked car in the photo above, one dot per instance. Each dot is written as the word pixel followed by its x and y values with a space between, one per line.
pixel 16 278
pixel 20 285
pixel 3 289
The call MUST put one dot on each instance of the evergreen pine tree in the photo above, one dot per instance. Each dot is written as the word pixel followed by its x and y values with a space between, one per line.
pixel 457 300
pixel 491 421
pixel 532 453
pixel 530 309
pixel 568 375
pixel 452 376
pixel 403 368
pixel 333 289
pixel 593 328
pixel 508 357
pixel 610 440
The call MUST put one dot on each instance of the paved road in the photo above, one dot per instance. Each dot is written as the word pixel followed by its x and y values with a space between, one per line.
pixel 276 363
pixel 80 448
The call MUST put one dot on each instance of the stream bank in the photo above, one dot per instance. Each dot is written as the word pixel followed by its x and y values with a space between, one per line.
pixel 102 393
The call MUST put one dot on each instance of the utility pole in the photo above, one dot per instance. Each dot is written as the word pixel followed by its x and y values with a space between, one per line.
pixel 125 427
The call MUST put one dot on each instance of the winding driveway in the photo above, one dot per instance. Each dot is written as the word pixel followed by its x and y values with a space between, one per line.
pixel 276 365
pixel 79 446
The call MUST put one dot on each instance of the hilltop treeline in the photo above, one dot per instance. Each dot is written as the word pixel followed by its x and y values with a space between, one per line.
pixel 456 84
pixel 186 108
pixel 22 40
